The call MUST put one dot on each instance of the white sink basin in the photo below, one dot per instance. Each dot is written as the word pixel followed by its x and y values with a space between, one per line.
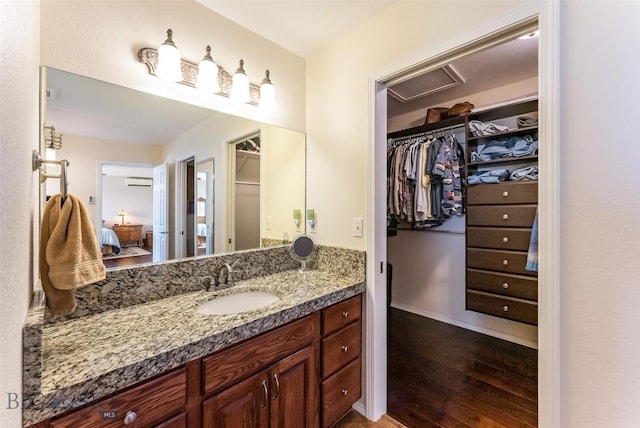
pixel 237 302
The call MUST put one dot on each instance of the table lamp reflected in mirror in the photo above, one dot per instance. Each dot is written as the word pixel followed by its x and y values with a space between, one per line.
pixel 122 214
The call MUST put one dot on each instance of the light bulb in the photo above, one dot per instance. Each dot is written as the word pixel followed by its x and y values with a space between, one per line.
pixel 168 67
pixel 240 85
pixel 208 74
pixel 267 93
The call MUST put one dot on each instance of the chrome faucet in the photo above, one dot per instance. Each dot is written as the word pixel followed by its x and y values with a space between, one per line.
pixel 222 281
pixel 225 278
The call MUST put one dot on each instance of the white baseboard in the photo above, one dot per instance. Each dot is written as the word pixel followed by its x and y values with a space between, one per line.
pixel 359 407
pixel 468 326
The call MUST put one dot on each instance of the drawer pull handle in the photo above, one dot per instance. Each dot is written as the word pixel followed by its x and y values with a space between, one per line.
pixel 505 262
pixel 505 194
pixel 505 239
pixel 505 308
pixel 275 396
pixel 265 388
pixel 505 285
pixel 130 417
pixel 345 391
pixel 345 348
pixel 505 216
pixel 345 314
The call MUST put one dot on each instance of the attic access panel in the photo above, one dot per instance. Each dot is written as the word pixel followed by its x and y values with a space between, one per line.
pixel 436 80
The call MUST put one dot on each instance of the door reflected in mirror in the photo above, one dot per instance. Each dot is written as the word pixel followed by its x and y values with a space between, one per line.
pixel 105 126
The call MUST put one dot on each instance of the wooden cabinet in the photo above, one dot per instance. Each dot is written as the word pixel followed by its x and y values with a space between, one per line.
pixel 341 362
pixel 301 375
pixel 128 233
pixel 283 394
pixel 499 220
pixel 151 403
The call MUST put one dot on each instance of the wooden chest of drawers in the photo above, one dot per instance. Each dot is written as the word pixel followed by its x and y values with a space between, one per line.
pixel 128 233
pixel 499 221
pixel 341 361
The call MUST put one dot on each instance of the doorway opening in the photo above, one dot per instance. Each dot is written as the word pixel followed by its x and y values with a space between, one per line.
pixel 382 88
pixel 244 193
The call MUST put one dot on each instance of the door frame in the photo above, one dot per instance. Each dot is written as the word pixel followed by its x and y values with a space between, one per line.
pixel 180 206
pixel 230 239
pixel 546 13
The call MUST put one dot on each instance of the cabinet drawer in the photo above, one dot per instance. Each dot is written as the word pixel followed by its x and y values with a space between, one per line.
pixel 501 215
pixel 236 363
pixel 341 314
pixel 152 402
pixel 504 284
pixel 505 307
pixel 339 392
pixel 340 348
pixel 501 261
pixel 499 238
pixel 520 192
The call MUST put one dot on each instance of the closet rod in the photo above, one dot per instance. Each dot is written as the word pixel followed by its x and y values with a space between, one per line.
pixel 425 133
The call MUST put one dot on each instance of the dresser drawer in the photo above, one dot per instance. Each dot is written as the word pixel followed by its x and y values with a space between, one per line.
pixel 501 261
pixel 504 307
pixel 339 392
pixel 152 402
pixel 501 215
pixel 505 284
pixel 238 362
pixel 499 238
pixel 341 314
pixel 521 192
pixel 340 348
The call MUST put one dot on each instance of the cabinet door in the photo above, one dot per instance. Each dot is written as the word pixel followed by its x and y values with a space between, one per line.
pixel 245 405
pixel 294 390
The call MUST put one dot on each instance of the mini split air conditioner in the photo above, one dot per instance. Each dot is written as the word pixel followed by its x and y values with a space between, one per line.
pixel 138 181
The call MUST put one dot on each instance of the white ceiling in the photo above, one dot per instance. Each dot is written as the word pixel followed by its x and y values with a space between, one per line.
pixel 300 26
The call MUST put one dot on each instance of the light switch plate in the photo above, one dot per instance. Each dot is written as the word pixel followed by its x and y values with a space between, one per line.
pixel 268 221
pixel 356 227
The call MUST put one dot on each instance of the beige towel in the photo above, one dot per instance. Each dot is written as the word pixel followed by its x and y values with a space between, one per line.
pixel 70 256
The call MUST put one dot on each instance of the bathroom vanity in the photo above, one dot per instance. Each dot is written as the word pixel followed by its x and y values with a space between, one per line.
pixel 296 362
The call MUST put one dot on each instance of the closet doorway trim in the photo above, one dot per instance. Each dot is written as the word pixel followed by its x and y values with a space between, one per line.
pixel 546 14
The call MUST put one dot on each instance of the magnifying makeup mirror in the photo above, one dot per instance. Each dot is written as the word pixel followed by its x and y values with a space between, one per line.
pixel 303 249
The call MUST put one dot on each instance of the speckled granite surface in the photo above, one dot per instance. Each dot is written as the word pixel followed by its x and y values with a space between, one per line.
pixel 87 357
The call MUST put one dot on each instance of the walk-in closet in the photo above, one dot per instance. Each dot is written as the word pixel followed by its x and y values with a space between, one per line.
pixel 462 195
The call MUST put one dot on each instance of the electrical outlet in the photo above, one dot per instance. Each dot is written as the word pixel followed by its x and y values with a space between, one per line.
pixel 267 221
pixel 356 227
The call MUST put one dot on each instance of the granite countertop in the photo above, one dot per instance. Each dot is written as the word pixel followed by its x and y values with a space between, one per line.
pixel 87 358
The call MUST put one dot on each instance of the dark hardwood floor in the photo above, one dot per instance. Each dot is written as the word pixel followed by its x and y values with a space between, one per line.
pixel 440 375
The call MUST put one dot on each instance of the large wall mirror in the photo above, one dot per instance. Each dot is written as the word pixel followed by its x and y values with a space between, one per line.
pixel 164 179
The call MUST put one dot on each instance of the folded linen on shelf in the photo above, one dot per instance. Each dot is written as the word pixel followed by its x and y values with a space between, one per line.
pixel 491 176
pixel 481 129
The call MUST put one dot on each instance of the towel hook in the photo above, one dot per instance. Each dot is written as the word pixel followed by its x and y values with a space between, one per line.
pixel 36 165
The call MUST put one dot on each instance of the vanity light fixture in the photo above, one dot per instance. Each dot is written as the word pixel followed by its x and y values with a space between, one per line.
pixel 267 93
pixel 122 214
pixel 208 74
pixel 168 67
pixel 240 85
pixel 165 62
pixel 52 142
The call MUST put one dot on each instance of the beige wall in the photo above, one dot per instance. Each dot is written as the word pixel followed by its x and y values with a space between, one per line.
pixel 282 170
pixel 599 234
pixel 19 32
pixel 100 39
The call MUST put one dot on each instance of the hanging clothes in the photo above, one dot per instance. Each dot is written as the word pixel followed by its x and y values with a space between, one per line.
pixel 425 177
